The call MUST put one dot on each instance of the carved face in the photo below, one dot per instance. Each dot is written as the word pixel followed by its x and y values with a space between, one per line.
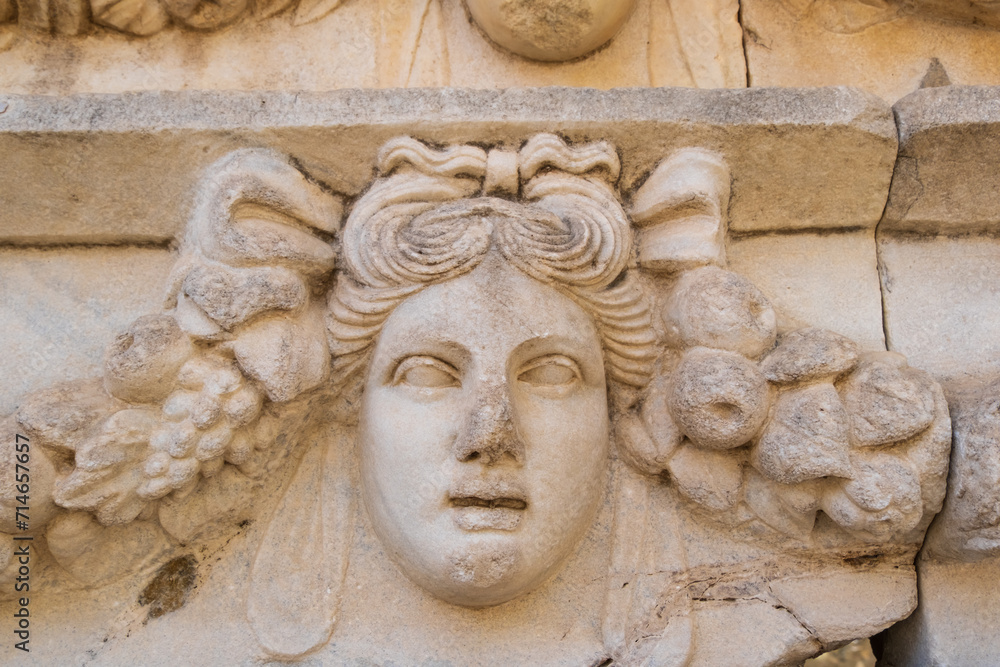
pixel 484 434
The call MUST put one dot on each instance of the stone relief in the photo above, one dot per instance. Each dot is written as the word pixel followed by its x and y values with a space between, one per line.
pixel 968 528
pixel 852 16
pixel 61 48
pixel 550 30
pixel 147 17
pixel 484 353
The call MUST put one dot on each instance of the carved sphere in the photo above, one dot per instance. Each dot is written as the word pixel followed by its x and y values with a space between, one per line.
pixel 550 30
pixel 715 308
pixel 142 362
pixel 719 399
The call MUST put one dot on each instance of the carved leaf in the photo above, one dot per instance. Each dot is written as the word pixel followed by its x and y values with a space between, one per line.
pixel 134 17
pixel 810 354
pixel 194 321
pixel 263 9
pixel 300 567
pixel 788 509
pixel 232 296
pixel 60 418
pixel 887 401
pixel 710 478
pixel 806 438
pixel 109 469
pixel 881 500
pixel 288 357
pixel 205 14
pixel 313 10
pixel 255 208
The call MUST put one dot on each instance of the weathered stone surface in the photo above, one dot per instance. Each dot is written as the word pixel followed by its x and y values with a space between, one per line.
pixel 813 280
pixel 719 399
pixel 714 308
pixel 872 595
pixel 885 47
pixel 365 44
pixel 62 307
pixel 522 360
pixel 141 363
pixel 549 31
pixel 709 478
pixel 785 637
pixel 810 354
pixel 888 401
pixel 942 303
pixel 491 380
pixel 956 620
pixel 806 437
pixel 947 178
pixel 683 206
pixel 149 148
pixel 939 261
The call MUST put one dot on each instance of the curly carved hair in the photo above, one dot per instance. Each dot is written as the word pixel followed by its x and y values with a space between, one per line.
pixel 425 221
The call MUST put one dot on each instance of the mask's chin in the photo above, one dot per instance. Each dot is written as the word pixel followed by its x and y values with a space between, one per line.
pixel 478 571
pixel 484 573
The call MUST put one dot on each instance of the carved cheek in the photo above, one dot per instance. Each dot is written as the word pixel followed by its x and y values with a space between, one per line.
pixel 407 442
pixel 567 443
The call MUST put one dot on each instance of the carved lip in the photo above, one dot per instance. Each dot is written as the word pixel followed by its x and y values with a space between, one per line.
pixel 487 504
pixel 490 493
pixel 491 503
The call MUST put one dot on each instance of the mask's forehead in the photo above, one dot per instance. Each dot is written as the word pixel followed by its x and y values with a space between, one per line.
pixel 494 309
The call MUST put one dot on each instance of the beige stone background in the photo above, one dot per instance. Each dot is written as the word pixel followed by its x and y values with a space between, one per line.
pixel 77 267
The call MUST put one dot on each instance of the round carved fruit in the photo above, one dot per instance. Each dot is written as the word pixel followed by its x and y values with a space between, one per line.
pixel 715 308
pixel 550 29
pixel 719 399
pixel 142 362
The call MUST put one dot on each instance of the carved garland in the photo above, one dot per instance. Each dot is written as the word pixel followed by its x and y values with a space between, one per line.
pixel 254 339
pixel 142 18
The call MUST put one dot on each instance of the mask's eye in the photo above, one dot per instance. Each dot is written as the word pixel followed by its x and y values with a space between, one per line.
pixel 426 373
pixel 553 370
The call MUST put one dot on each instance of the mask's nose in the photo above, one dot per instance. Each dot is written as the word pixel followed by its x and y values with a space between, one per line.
pixel 489 435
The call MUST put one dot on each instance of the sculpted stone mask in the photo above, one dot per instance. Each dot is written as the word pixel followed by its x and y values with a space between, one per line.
pixel 484 434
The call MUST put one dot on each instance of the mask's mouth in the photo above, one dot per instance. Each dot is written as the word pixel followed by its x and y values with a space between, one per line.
pixel 487 504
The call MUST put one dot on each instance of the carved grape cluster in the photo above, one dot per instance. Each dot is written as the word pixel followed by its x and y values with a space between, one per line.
pixel 746 429
pixel 184 389
pixel 174 412
pixel 202 426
